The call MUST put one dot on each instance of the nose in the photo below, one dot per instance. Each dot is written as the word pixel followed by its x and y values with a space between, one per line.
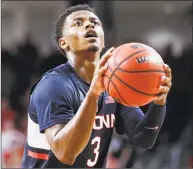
pixel 89 25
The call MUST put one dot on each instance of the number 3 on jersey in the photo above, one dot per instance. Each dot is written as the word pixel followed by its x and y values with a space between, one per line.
pixel 95 141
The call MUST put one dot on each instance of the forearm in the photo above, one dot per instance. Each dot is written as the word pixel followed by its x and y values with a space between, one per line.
pixel 74 136
pixel 146 131
pixel 153 118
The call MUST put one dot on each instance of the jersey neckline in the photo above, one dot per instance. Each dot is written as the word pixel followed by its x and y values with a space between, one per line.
pixel 72 68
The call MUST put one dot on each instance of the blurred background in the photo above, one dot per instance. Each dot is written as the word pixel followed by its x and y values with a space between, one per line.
pixel 28 50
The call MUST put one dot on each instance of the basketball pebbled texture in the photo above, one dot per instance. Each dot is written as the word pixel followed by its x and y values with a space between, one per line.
pixel 134 73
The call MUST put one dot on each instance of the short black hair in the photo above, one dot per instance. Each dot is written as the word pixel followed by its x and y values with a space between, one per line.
pixel 60 23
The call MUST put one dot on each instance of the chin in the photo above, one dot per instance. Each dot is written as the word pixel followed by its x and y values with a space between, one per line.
pixel 93 48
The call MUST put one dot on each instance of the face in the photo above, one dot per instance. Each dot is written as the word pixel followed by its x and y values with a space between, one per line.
pixel 82 32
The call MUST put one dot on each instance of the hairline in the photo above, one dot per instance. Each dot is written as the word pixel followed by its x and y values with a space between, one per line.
pixel 75 12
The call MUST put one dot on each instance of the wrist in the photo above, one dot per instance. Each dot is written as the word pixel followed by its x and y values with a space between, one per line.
pixel 160 103
pixel 92 94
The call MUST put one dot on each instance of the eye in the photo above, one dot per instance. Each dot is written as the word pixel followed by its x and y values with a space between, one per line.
pixel 78 23
pixel 96 23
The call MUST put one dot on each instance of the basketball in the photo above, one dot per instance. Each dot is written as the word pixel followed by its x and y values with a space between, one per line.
pixel 134 73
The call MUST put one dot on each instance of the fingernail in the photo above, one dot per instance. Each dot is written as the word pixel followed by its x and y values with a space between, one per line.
pixel 163 77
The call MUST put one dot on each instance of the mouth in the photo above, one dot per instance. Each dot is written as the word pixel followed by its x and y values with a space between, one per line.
pixel 91 34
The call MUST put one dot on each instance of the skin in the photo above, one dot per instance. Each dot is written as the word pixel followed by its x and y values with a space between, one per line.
pixel 67 141
pixel 81 53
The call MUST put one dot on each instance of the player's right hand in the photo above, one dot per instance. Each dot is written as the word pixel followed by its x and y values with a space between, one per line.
pixel 97 85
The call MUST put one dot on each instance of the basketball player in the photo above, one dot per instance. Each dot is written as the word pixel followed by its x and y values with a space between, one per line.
pixel 70 116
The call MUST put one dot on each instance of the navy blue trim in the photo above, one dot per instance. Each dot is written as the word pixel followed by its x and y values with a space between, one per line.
pixel 52 123
pixel 38 150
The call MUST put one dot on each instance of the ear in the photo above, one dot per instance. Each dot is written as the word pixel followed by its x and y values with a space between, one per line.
pixel 63 44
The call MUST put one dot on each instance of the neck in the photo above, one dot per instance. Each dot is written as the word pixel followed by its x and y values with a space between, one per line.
pixel 84 64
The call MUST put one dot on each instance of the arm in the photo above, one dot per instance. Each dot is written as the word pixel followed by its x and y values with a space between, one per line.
pixel 142 130
pixel 147 130
pixel 68 134
pixel 67 131
pixel 67 141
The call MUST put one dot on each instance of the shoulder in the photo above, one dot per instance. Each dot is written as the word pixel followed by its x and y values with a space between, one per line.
pixel 52 82
pixel 52 86
pixel 57 78
pixel 50 92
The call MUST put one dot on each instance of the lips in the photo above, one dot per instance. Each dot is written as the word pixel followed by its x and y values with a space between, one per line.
pixel 91 34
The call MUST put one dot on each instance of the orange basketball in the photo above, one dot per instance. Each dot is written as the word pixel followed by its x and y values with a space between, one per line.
pixel 134 73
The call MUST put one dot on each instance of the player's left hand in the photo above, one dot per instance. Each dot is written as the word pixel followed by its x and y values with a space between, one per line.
pixel 166 83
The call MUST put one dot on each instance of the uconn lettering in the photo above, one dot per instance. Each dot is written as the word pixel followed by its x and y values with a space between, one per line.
pixel 104 121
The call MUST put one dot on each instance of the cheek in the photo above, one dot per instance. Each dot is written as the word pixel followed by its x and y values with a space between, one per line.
pixel 73 38
pixel 76 34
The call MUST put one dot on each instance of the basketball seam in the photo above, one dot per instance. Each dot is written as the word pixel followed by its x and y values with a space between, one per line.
pixel 147 94
pixel 108 66
pixel 127 59
pixel 142 71
pixel 117 66
pixel 117 90
pixel 114 60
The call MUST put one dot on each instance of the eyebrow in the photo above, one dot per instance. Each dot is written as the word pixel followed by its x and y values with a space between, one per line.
pixel 82 18
pixel 91 18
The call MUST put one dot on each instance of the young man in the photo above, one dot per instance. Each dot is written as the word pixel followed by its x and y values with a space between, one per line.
pixel 70 116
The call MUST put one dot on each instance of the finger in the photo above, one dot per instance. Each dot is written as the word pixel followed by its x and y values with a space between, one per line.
pixel 161 96
pixel 106 56
pixel 165 80
pixel 163 89
pixel 108 52
pixel 168 71
pixel 111 49
pixel 169 85
pixel 102 70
